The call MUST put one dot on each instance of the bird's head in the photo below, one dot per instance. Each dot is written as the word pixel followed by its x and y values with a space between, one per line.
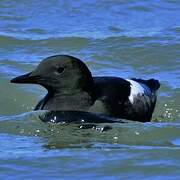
pixel 60 73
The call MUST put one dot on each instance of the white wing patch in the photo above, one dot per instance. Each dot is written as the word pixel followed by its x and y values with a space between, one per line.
pixel 138 88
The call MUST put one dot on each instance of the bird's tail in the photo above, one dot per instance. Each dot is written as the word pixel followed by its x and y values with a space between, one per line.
pixel 153 84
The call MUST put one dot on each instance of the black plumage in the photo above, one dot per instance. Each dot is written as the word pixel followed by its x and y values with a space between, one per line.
pixel 71 87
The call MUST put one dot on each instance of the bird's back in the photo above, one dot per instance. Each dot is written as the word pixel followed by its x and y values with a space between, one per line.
pixel 133 99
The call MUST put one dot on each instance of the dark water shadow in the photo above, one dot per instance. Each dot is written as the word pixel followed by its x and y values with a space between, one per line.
pixel 90 131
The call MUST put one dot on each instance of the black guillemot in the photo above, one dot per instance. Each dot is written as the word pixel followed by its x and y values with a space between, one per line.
pixel 71 87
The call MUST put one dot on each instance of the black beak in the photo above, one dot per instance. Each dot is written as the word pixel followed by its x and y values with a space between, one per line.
pixel 25 79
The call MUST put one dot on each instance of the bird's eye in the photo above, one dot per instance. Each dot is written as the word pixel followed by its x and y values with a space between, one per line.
pixel 60 70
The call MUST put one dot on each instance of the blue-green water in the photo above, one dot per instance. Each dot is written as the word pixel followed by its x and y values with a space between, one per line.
pixel 134 38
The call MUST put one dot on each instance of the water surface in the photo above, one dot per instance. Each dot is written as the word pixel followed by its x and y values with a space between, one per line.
pixel 134 38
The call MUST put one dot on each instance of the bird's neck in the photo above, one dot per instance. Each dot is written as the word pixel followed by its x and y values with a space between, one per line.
pixel 68 100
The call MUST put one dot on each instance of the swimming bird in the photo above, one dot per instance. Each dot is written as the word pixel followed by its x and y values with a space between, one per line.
pixel 71 87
